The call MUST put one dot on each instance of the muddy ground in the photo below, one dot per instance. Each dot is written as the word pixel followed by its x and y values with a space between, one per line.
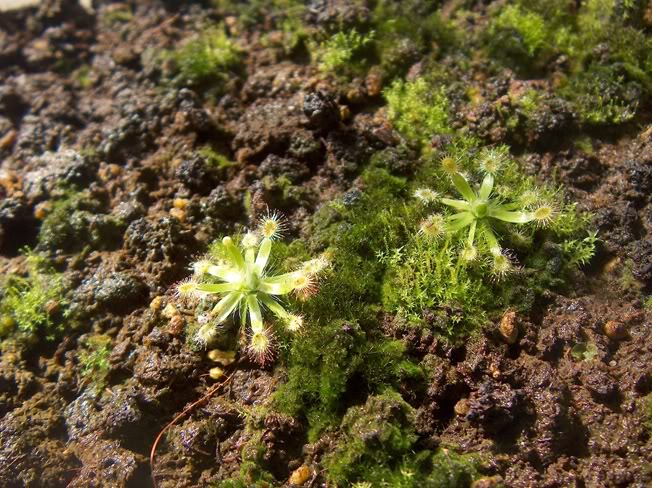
pixel 539 415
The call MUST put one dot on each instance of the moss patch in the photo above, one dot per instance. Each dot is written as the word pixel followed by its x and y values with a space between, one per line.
pixel 30 304
pixel 379 449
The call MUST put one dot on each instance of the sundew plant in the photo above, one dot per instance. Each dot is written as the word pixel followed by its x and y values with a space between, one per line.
pixel 238 277
pixel 485 237
pixel 483 212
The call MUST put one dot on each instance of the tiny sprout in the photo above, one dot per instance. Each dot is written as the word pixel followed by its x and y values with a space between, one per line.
pixel 433 227
pixel 426 195
pixel 481 211
pixel 450 164
pixel 272 225
pixel 260 346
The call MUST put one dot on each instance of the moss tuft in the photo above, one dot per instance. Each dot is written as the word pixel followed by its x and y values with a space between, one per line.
pixel 344 53
pixel 94 360
pixel 419 109
pixel 31 303
pixel 334 363
pixel 206 60
pixel 378 448
pixel 75 222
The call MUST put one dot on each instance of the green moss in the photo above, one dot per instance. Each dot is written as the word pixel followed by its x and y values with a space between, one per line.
pixel 378 448
pixel 119 14
pixel 584 351
pixel 608 60
pixel 214 159
pixel 406 31
pixel 647 410
pixel 31 302
pixel 521 31
pixel 253 467
pixel 647 303
pixel 419 109
pixel 355 229
pixel 94 360
pixel 82 76
pixel 601 95
pixel 425 279
pixel 74 222
pixel 206 60
pixel 343 53
pixel 334 362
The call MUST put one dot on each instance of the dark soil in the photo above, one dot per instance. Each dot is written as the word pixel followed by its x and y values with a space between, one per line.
pixel 545 417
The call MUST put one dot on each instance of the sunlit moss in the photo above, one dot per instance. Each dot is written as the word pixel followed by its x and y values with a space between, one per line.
pixel 30 303
pixel 206 60
pixel 342 53
pixel 94 360
pixel 419 109
pixel 378 448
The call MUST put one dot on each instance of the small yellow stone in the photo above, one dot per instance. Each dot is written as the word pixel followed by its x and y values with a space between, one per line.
pixel 170 311
pixel 178 214
pixel 462 407
pixel 614 329
pixel 156 304
pixel 300 475
pixel 181 203
pixel 223 357
pixel 216 373
pixel 42 210
pixel 508 327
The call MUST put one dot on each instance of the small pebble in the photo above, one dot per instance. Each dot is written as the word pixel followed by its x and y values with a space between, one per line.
pixel 181 203
pixel 156 303
pixel 8 140
pixel 170 311
pixel 615 330
pixel 178 214
pixel 374 84
pixel 345 112
pixel 223 357
pixel 300 475
pixel 487 482
pixel 461 408
pixel 177 325
pixel 42 210
pixel 508 327
pixel 216 373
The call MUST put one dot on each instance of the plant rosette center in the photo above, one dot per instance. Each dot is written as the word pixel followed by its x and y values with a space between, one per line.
pixel 480 209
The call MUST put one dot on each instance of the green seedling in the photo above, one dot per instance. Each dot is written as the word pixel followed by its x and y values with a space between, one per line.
pixel 584 351
pixel 242 280
pixel 481 212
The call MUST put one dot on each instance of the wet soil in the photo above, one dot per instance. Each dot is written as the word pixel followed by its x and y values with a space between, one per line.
pixel 546 417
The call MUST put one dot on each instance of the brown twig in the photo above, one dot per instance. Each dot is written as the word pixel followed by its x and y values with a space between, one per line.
pixel 213 389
